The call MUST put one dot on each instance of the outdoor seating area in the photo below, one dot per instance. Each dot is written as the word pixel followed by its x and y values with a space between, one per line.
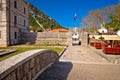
pixel 109 45
pixel 111 48
pixel 97 45
pixel 92 44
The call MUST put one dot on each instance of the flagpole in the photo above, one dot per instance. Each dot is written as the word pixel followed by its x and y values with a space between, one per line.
pixel 75 19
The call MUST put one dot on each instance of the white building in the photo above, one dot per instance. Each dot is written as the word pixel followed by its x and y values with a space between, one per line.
pixel 14 19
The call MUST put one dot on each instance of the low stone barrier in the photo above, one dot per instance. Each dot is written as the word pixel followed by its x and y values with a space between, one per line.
pixel 28 65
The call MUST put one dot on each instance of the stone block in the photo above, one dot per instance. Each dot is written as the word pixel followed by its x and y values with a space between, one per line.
pixel 36 60
pixel 11 76
pixel 37 68
pixel 40 61
pixel 32 63
pixel 25 78
pixel 33 72
pixel 20 73
pixel 29 75
pixel 26 67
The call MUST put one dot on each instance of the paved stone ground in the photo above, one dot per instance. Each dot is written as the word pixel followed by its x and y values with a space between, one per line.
pixel 79 54
pixel 81 63
pixel 114 58
pixel 6 51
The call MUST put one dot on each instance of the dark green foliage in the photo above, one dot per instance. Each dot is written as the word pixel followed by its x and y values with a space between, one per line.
pixel 115 19
pixel 109 17
pixel 47 22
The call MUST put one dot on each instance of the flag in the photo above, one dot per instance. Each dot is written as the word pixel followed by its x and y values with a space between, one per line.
pixel 75 17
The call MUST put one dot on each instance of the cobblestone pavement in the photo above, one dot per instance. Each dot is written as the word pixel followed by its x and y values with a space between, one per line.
pixel 113 58
pixel 81 63
pixel 79 54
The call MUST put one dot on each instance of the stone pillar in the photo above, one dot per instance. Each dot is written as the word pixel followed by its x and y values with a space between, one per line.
pixel 3 23
pixel 84 38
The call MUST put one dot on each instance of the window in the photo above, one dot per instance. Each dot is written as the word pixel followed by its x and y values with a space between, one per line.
pixel 0 35
pixel 24 22
pixel 0 18
pixel 15 20
pixel 15 35
pixel 0 4
pixel 24 10
pixel 15 4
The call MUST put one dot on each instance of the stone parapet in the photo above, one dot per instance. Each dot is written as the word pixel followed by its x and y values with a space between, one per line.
pixel 27 65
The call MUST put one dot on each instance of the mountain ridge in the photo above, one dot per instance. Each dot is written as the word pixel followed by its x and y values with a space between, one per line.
pixel 44 20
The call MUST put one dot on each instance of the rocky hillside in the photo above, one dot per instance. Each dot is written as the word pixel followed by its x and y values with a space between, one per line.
pixel 45 21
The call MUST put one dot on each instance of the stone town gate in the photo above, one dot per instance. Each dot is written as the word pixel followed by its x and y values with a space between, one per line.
pixel 84 36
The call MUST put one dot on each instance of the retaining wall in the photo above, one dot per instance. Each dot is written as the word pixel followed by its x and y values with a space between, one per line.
pixel 44 37
pixel 27 65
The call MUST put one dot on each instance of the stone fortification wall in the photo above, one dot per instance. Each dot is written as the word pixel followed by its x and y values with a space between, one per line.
pixel 84 38
pixel 52 37
pixel 43 37
pixel 28 65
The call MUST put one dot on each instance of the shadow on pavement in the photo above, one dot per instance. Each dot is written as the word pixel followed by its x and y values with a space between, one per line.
pixel 58 71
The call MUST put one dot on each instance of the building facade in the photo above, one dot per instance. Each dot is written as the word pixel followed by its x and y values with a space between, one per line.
pixel 14 19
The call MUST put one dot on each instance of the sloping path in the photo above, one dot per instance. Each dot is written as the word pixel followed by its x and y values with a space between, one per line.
pixel 82 54
pixel 81 63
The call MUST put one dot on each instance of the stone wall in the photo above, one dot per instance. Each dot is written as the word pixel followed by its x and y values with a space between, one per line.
pixel 52 38
pixel 3 23
pixel 43 37
pixel 28 65
pixel 84 38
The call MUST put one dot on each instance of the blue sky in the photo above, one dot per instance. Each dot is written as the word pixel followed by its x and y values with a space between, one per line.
pixel 63 10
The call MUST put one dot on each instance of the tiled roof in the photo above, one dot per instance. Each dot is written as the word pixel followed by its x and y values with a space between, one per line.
pixel 59 30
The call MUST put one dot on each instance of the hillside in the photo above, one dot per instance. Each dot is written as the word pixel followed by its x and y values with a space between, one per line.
pixel 45 21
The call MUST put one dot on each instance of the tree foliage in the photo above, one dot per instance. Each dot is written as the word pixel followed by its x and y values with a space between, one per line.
pixel 115 19
pixel 43 19
pixel 109 17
